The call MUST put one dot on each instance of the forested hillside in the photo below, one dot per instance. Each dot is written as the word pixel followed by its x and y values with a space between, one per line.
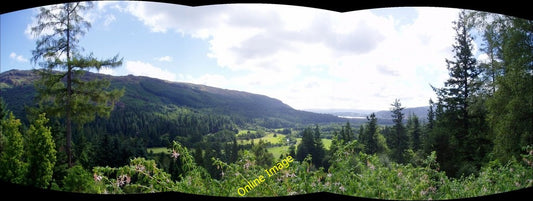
pixel 153 95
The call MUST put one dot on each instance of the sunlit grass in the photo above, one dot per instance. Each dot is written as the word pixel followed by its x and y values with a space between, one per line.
pixel 157 150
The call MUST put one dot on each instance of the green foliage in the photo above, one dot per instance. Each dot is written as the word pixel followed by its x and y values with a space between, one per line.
pixel 311 145
pixel 346 134
pixel 140 176
pixel 79 180
pixel 352 173
pixel 461 123
pixel 368 135
pixel 510 109
pixel 414 131
pixel 63 93
pixel 262 156
pixel 399 140
pixel 12 164
pixel 41 154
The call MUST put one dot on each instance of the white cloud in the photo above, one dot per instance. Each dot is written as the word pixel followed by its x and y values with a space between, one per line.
pixel 109 19
pixel 367 60
pixel 214 80
pixel 146 69
pixel 18 58
pixel 164 58
pixel 108 71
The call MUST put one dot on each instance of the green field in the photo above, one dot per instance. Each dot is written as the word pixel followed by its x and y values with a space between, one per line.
pixel 269 137
pixel 276 151
pixel 157 150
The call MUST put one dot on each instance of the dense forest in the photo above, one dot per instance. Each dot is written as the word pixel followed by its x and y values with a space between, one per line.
pixel 87 134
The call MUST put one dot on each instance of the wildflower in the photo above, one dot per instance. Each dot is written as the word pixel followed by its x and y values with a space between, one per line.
pixel 313 184
pixel 329 174
pixel 139 167
pixel 400 173
pixel 372 167
pixel 222 174
pixel 342 188
pixel 97 177
pixel 247 164
pixel 175 154
pixel 123 179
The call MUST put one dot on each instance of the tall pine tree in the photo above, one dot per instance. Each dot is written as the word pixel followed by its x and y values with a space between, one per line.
pixel 455 99
pixel 368 135
pixel 414 132
pixel 64 93
pixel 399 141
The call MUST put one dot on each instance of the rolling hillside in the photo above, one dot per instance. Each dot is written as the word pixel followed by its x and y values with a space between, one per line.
pixel 145 92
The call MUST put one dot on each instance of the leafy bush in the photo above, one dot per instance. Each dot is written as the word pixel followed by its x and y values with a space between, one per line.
pixel 352 173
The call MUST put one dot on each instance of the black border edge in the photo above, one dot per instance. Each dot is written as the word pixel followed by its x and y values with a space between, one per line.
pixel 515 8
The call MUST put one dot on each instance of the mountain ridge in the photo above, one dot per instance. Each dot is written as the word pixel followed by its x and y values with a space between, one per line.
pixel 17 88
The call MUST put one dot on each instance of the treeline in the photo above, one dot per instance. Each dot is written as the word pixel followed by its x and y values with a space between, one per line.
pixel 157 128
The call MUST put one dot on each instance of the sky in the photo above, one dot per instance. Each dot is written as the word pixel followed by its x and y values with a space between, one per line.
pixel 306 57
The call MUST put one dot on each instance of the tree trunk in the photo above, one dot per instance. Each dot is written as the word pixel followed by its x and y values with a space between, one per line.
pixel 69 94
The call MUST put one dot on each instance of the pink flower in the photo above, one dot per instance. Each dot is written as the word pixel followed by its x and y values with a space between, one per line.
pixel 175 154
pixel 97 177
pixel 139 168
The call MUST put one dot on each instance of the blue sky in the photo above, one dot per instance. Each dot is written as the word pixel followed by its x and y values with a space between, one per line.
pixel 308 58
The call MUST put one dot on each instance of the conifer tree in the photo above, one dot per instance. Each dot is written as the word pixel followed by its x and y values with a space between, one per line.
pixel 311 145
pixel 347 133
pixel 414 132
pixel 369 135
pixel 399 139
pixel 318 150
pixel 262 156
pixel 64 93
pixel 455 99
pixel 508 41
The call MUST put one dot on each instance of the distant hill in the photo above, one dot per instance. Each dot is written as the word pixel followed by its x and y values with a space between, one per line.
pixel 383 116
pixel 421 112
pixel 141 92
